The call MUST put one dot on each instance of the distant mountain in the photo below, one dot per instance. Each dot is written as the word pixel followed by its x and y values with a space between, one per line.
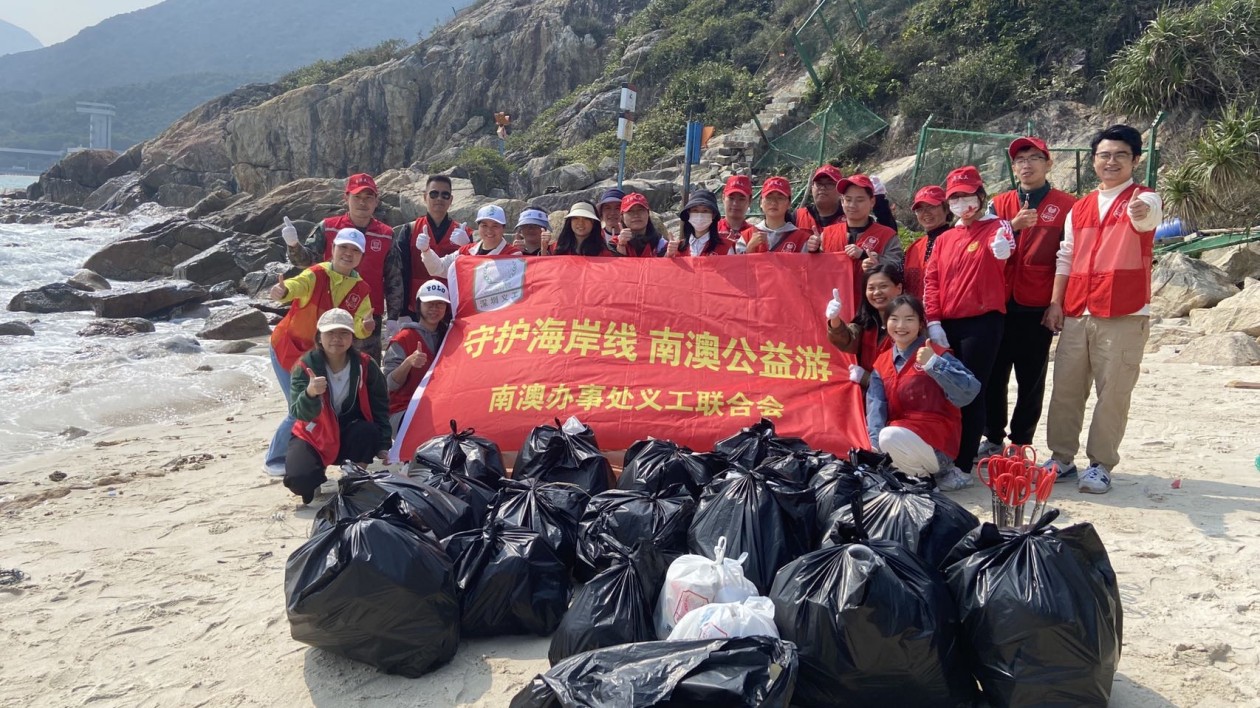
pixel 14 39
pixel 224 37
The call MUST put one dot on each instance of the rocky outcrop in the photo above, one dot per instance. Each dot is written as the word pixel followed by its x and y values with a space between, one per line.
pixel 1180 284
pixel 125 327
pixel 121 194
pixel 230 259
pixel 75 177
pixel 1239 262
pixel 1224 349
pixel 54 297
pixel 156 250
pixel 84 279
pixel 1240 313
pixel 309 200
pixel 1163 334
pixel 145 300
pixel 662 195
pixel 16 329
pixel 237 322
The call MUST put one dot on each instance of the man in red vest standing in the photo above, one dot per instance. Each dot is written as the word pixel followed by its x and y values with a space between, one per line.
pixel 380 267
pixel 446 236
pixel 1101 305
pixel 1037 213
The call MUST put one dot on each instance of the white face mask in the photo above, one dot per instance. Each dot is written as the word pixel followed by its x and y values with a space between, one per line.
pixel 964 206
pixel 700 222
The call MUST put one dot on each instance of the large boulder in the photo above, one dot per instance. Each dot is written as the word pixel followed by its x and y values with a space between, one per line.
pixel 54 297
pixel 257 282
pixel 237 322
pixel 402 195
pixel 567 178
pixel 1222 349
pixel 125 327
pixel 1163 334
pixel 156 250
pixel 122 194
pixel 216 201
pixel 1180 284
pixel 145 300
pixel 1240 313
pixel 84 279
pixel 309 200
pixel 230 259
pixel 16 329
pixel 522 181
pixel 1239 262
pixel 76 176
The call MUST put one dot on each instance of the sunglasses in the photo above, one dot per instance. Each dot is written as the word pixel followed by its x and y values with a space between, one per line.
pixel 434 194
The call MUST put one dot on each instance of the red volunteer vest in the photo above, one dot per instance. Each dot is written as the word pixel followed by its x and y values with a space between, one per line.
pixel 1030 270
pixel 1111 261
pixel 379 238
pixel 963 278
pixel 871 346
pixel 324 433
pixel 409 339
pixel 918 403
pixel 872 240
pixel 733 235
pixel 444 244
pixel 916 257
pixel 295 334
pixel 792 243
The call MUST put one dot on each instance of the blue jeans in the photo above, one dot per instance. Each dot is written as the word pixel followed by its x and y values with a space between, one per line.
pixel 280 441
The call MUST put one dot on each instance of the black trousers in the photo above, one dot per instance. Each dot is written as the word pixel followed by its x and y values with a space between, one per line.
pixel 975 341
pixel 304 470
pixel 1026 350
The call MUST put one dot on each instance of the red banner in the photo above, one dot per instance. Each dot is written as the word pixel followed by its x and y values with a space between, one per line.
pixel 684 349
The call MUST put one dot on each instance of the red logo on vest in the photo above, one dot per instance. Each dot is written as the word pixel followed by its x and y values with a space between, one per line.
pixel 789 246
pixel 1050 213
pixel 376 245
pixel 351 303
pixel 1118 210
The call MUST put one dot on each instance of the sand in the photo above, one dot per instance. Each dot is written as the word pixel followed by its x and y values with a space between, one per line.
pixel 155 569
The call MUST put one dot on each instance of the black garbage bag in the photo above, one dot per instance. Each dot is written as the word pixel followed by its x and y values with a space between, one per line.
pixel 630 517
pixel 359 492
pixel 769 517
pixel 478 495
pixel 834 486
pixel 653 465
pixel 925 521
pixel 1042 610
pixel 755 443
pixel 552 454
pixel 874 625
pixel 553 509
pixel 375 589
pixel 509 579
pixel 746 672
pixel 461 452
pixel 800 466
pixel 616 606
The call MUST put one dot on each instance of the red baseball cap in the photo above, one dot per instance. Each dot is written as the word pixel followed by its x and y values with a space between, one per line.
pixel 632 200
pixel 831 172
pixel 738 184
pixel 856 181
pixel 931 195
pixel 777 184
pixel 1028 142
pixel 361 182
pixel 964 180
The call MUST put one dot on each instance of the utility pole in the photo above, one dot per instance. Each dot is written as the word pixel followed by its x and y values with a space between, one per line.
pixel 625 127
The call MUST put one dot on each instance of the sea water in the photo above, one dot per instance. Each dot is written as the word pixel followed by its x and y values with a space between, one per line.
pixel 57 381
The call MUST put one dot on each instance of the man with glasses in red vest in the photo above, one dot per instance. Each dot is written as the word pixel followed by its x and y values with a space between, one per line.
pixel 445 236
pixel 380 267
pixel 1101 306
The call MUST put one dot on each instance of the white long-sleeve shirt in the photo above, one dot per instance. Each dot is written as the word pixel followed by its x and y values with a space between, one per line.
pixel 439 265
pixel 1107 197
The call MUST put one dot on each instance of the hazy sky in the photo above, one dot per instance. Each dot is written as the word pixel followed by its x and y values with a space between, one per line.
pixel 53 21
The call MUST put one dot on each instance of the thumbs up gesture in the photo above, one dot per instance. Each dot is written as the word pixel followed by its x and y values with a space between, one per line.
pixel 924 355
pixel 854 251
pixel 422 242
pixel 544 242
pixel 1025 218
pixel 317 386
pixel 1138 210
pixel 289 233
pixel 1001 247
pixel 833 307
pixel 814 244
pixel 671 248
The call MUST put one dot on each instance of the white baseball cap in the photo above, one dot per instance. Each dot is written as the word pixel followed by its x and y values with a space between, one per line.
pixel 354 237
pixel 533 217
pixel 336 318
pixel 433 291
pixel 493 213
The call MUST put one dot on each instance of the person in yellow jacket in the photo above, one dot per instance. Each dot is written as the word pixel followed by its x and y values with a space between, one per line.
pixel 311 293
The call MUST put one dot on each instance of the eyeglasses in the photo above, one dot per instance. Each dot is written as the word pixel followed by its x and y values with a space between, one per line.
pixel 434 194
pixel 1029 160
pixel 1117 156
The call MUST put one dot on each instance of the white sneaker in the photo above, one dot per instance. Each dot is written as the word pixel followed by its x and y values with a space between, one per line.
pixel 953 479
pixel 988 448
pixel 274 469
pixel 1094 480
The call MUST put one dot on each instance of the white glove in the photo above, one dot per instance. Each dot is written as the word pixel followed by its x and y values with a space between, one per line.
pixel 422 242
pixel 289 233
pixel 1001 247
pixel 878 184
pixel 833 307
pixel 392 327
pixel 856 373
pixel 936 333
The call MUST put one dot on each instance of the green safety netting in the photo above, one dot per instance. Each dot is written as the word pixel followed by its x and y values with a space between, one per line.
pixel 830 21
pixel 830 132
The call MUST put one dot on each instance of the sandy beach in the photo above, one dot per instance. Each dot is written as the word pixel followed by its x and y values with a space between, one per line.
pixel 155 569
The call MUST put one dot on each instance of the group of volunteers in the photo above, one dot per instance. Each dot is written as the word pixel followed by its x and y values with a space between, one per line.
pixel 937 332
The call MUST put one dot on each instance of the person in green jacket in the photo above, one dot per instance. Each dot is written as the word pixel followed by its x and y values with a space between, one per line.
pixel 341 404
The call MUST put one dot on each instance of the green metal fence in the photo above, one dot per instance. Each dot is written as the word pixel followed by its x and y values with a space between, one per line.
pixel 830 21
pixel 830 132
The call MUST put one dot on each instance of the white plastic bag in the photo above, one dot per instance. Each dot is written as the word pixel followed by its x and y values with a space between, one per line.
pixel 695 581
pixel 754 617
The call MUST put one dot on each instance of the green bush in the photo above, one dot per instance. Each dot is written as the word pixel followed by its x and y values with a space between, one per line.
pixel 486 168
pixel 973 88
pixel 324 70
